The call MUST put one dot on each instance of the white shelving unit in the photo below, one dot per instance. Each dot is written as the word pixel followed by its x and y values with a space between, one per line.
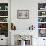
pixel 4 19
pixel 42 18
pixel 4 23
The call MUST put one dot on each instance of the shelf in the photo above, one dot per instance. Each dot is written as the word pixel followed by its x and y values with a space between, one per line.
pixel 3 22
pixel 42 19
pixel 41 28
pixel 41 22
pixel 41 10
pixel 3 16
pixel 3 10
pixel 42 16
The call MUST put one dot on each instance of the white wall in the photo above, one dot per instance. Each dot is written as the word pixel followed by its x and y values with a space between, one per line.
pixel 23 24
pixel 32 6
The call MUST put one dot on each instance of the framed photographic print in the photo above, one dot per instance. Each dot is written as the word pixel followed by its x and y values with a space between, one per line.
pixel 22 14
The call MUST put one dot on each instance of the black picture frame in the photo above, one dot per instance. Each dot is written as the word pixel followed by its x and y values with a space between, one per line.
pixel 22 14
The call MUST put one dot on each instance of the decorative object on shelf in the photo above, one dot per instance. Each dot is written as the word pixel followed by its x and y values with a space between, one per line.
pixel 41 19
pixel 22 14
pixel 41 13
pixel 41 6
pixel 4 29
pixel 31 27
pixel 42 32
pixel 3 19
pixel 3 13
pixel 0 7
pixel 13 27
pixel 41 25
pixel 6 7
pixel 4 26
